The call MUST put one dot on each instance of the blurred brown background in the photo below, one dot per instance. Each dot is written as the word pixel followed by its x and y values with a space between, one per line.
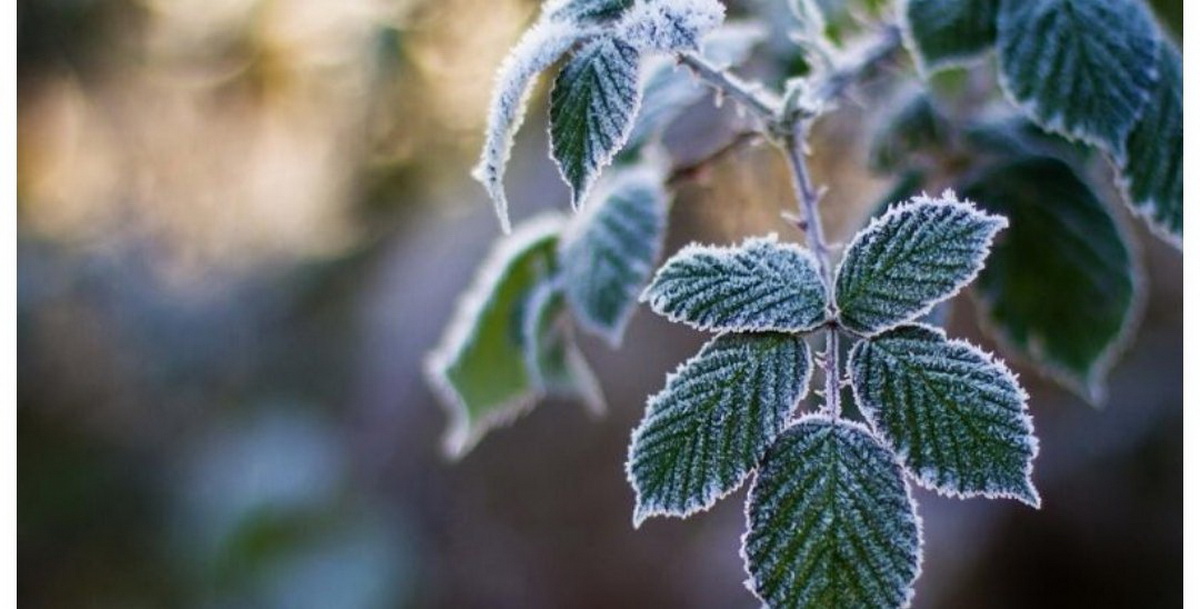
pixel 242 224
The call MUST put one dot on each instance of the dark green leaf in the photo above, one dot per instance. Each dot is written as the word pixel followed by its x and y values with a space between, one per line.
pixel 1152 172
pixel 949 32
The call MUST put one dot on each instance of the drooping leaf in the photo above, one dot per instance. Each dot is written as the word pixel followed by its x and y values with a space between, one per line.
pixel 552 358
pixel 906 261
pixel 671 25
pixel 609 250
pixel 1152 172
pixel 915 128
pixel 592 107
pixel 947 33
pixel 1081 68
pixel 542 45
pixel 1061 287
pixel 831 522
pixel 478 369
pixel 758 286
pixel 705 432
pixel 586 11
pixel 956 417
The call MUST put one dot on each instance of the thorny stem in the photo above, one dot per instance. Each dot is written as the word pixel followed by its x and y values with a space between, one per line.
pixel 791 131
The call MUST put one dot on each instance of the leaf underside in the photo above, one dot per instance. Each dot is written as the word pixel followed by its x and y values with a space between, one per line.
pixel 1152 172
pixel 1061 287
pixel 609 251
pixel 709 427
pixel 956 417
pixel 760 285
pixel 914 256
pixel 950 33
pixel 831 522
pixel 1083 69
pixel 592 107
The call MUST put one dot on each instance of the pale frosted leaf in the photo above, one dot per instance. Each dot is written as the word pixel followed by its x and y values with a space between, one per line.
pixel 1061 288
pixel 831 522
pixel 609 250
pixel 586 11
pixel 906 261
pixel 956 417
pixel 1081 68
pixel 592 107
pixel 1152 172
pixel 542 45
pixel 552 358
pixel 671 25
pixel 705 432
pixel 759 285
pixel 478 368
pixel 948 33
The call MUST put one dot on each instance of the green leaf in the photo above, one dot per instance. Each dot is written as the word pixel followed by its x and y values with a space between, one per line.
pixel 479 367
pixel 586 11
pixel 542 45
pixel 831 522
pixel 705 432
pixel 592 107
pixel 1082 68
pixel 956 417
pixel 608 251
pixel 911 258
pixel 758 286
pixel 1152 171
pixel 947 33
pixel 552 358
pixel 1060 288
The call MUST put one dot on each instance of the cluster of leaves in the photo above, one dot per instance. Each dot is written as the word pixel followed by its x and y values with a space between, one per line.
pixel 830 516
pixel 1090 79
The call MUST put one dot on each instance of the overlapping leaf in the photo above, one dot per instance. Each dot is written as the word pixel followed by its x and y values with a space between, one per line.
pixel 479 368
pixel 592 107
pixel 948 32
pixel 831 522
pixel 1082 68
pixel 609 251
pixel 671 25
pixel 956 417
pixel 1152 171
pixel 911 258
pixel 708 428
pixel 1061 288
pixel 542 45
pixel 760 285
pixel 552 358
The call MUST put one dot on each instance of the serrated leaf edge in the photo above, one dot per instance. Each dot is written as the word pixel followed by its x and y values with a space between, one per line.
pixel 910 593
pixel 1034 499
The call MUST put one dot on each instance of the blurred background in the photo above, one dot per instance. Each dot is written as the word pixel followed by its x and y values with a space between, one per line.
pixel 242 223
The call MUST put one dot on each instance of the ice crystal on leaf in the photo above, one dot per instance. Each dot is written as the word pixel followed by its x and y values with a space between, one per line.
pixel 671 25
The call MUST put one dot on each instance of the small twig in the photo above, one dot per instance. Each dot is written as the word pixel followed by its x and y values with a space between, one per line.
pixel 689 171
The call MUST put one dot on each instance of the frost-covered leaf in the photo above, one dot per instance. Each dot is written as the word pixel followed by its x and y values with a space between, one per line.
pixel 609 250
pixel 1060 288
pixel 586 11
pixel 552 358
pixel 671 25
pixel 915 128
pixel 478 368
pixel 542 45
pixel 947 33
pixel 709 427
pixel 760 285
pixel 1152 172
pixel 831 522
pixel 668 90
pixel 906 261
pixel 956 417
pixel 592 107
pixel 1082 68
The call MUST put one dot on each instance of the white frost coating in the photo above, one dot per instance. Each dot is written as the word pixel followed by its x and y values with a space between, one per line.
pixel 555 364
pixel 831 521
pixel 464 432
pixel 609 249
pixel 670 25
pixel 942 35
pixel 761 285
pixel 541 46
pixel 708 428
pixel 956 417
pixel 909 259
